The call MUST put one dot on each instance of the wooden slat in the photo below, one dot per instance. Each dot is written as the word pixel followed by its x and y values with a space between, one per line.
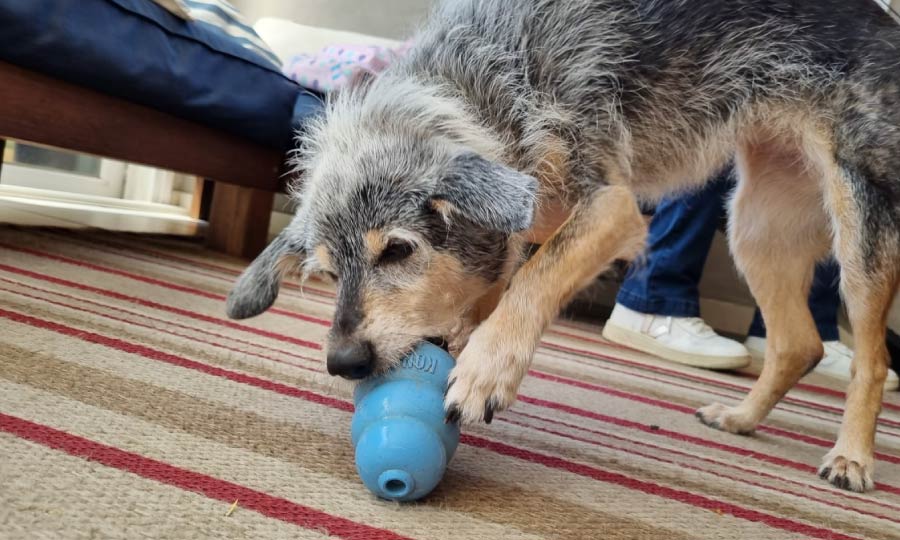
pixel 239 220
pixel 196 198
pixel 47 111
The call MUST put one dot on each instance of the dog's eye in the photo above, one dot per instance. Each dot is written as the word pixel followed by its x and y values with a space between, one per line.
pixel 396 251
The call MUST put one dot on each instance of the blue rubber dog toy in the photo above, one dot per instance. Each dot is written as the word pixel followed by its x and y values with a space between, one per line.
pixel 402 443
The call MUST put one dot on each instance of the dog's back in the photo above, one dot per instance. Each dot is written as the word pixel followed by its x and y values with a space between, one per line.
pixel 646 80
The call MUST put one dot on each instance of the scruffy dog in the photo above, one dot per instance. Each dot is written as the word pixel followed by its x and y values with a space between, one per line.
pixel 420 189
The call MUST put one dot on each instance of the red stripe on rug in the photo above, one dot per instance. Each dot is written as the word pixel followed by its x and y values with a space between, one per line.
pixel 132 255
pixel 472 440
pixel 775 460
pixel 654 489
pixel 126 250
pixel 775 431
pixel 622 422
pixel 119 309
pixel 214 488
pixel 251 354
pixel 625 395
pixel 100 268
pixel 659 459
pixel 815 441
pixel 276 336
pixel 161 260
pixel 502 419
pixel 726 464
pixel 95 338
pixel 193 339
pixel 722 384
pixel 786 403
pixel 161 307
pixel 153 281
pixel 803 386
pixel 161 356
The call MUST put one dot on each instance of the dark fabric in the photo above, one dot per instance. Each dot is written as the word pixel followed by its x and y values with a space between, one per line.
pixel 893 344
pixel 136 50
pixel 681 233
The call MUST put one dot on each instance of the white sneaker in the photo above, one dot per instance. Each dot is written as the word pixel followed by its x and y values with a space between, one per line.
pixel 685 340
pixel 835 363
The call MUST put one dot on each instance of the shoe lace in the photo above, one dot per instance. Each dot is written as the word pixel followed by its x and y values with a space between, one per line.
pixel 698 326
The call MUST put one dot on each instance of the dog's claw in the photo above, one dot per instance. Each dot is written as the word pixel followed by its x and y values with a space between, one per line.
pixel 825 473
pixel 845 482
pixel 453 415
pixel 488 411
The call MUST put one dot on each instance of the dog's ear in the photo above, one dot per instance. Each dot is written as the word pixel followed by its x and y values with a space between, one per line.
pixel 257 288
pixel 488 194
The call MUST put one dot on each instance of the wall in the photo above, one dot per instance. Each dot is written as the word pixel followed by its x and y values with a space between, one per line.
pixel 393 19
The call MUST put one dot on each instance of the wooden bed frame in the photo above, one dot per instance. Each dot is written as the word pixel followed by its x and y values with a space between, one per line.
pixel 244 176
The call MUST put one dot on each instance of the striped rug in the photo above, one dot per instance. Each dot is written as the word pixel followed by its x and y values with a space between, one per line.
pixel 131 408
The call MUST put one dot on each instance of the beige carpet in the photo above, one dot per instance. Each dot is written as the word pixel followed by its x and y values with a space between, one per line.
pixel 131 408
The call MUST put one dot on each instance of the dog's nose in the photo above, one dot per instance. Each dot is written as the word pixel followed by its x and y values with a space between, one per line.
pixel 352 360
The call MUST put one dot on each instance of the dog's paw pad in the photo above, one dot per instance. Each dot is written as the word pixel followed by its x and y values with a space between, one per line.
pixel 718 416
pixel 847 474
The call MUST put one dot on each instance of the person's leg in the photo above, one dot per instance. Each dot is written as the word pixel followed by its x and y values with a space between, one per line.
pixel 657 309
pixel 681 233
pixel 825 299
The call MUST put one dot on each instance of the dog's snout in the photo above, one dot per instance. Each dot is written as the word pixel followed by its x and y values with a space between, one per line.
pixel 352 360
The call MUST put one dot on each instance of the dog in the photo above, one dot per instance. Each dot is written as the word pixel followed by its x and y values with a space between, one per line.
pixel 420 190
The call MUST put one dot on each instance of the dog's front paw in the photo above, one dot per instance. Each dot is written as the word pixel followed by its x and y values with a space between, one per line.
pixel 846 472
pixel 486 378
pixel 724 418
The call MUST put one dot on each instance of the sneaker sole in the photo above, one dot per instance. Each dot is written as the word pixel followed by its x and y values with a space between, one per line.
pixel 889 385
pixel 640 342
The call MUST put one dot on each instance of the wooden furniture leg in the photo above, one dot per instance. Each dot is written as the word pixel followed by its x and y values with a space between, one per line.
pixel 239 219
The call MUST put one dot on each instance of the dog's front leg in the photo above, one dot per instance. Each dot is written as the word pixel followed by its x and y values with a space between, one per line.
pixel 605 227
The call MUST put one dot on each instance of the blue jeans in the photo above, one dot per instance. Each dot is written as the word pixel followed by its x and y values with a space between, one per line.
pixel 681 234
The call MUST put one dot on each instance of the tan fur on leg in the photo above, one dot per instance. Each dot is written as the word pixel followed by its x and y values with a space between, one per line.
pixel 868 291
pixel 459 336
pixel 777 232
pixel 490 369
pixel 851 463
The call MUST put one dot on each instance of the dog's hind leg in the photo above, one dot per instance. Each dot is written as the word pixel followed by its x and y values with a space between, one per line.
pixel 778 230
pixel 866 244
pixel 488 372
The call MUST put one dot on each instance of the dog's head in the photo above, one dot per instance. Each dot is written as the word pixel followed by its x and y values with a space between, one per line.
pixel 412 227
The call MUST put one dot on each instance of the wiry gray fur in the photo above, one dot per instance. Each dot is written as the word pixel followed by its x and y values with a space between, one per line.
pixel 504 103
pixel 651 93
